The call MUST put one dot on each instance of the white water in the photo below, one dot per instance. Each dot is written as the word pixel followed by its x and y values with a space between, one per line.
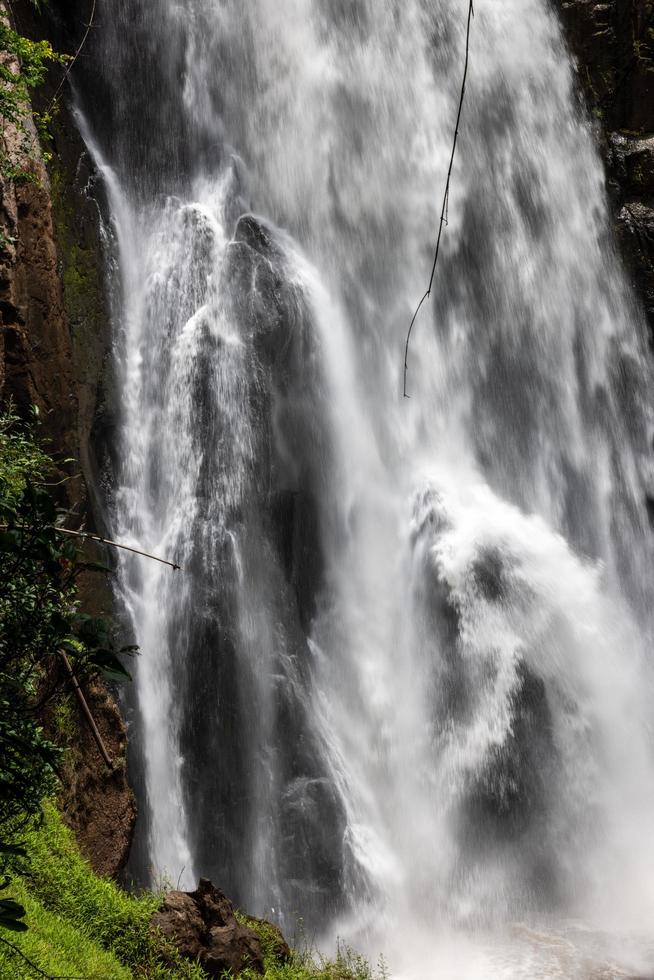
pixel 453 736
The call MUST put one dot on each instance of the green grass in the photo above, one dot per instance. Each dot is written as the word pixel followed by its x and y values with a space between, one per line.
pixel 84 926
pixel 80 924
pixel 56 946
pixel 309 966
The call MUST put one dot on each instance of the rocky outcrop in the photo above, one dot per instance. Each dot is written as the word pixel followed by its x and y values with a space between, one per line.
pixel 203 926
pixel 98 804
pixel 35 347
pixel 631 163
pixel 54 341
pixel 613 44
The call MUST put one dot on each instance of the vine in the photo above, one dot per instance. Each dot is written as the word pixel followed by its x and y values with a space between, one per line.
pixel 446 197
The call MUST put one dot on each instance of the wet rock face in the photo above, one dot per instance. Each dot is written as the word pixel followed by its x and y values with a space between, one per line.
pixel 635 227
pixel 35 349
pixel 613 44
pixel 294 452
pixel 506 783
pixel 510 792
pixel 202 925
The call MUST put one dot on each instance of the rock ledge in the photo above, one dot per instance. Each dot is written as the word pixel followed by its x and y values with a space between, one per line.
pixel 203 926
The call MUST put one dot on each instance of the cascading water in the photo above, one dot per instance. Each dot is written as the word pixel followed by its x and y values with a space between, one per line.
pixel 401 685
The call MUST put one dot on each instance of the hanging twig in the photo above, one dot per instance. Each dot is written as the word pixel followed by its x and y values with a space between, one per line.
pixel 98 537
pixel 115 544
pixel 73 60
pixel 446 196
pixel 86 711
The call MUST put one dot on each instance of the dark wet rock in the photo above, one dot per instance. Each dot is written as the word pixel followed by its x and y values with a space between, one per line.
pixel 632 165
pixel 260 299
pixel 203 926
pixel 280 566
pixel 259 236
pixel 510 791
pixel 489 574
pixel 314 825
pixel 649 504
pixel 180 921
pixel 613 44
pixel 295 519
pixel 635 227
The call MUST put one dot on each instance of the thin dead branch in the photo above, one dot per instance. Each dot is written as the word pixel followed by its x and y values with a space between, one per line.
pixel 98 537
pixel 115 544
pixel 86 711
pixel 73 60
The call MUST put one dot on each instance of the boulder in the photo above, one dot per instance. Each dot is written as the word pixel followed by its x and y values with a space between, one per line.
pixel 203 926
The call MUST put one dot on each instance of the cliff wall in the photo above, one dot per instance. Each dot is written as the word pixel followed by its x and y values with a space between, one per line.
pixel 55 355
pixel 613 46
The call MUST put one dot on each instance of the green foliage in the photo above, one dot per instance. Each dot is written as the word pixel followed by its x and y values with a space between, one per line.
pixel 23 66
pixel 306 964
pixel 11 913
pixel 56 947
pixel 39 618
pixel 21 459
pixel 81 925
pixel 71 906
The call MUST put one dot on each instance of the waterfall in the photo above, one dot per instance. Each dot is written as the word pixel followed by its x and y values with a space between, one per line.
pixel 402 682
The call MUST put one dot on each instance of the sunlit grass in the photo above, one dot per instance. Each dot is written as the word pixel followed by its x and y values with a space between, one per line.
pixel 82 925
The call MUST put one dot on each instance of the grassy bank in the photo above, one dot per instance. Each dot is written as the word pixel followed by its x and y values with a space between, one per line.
pixel 83 926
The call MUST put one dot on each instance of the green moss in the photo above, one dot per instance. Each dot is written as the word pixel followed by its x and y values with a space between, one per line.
pixel 80 254
pixel 81 263
pixel 80 284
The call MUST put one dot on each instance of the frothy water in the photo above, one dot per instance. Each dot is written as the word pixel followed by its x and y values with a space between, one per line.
pixel 402 685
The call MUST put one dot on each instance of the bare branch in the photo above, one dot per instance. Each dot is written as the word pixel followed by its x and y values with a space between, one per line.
pixel 115 544
pixel 98 537
pixel 73 59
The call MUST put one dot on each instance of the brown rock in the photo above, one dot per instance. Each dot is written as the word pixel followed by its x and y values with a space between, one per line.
pixel 38 367
pixel 35 348
pixel 98 804
pixel 202 925
pixel 180 922
pixel 232 948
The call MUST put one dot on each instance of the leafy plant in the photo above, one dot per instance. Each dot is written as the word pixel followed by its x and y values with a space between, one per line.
pixel 39 619
pixel 23 67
